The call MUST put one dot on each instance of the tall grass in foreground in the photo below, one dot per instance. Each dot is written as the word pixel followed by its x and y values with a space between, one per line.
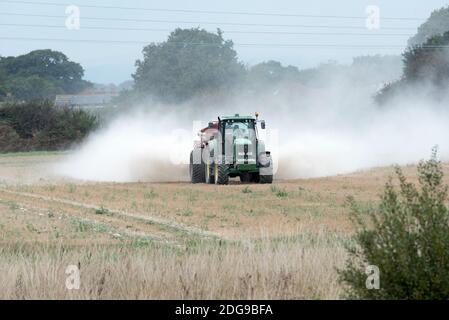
pixel 265 269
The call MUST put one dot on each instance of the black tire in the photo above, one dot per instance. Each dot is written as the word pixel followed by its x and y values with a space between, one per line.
pixel 255 177
pixel 245 178
pixel 266 179
pixel 196 171
pixel 221 173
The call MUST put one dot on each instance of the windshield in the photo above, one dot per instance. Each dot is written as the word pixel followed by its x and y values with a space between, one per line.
pixel 240 139
pixel 240 128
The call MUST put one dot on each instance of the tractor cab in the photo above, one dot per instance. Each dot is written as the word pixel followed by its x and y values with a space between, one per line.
pixel 239 139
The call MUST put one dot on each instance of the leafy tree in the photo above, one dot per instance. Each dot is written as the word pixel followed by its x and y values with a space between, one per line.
pixel 190 62
pixel 436 24
pixel 40 74
pixel 2 80
pixel 321 75
pixel 428 62
pixel 271 73
pixel 406 237
pixel 32 87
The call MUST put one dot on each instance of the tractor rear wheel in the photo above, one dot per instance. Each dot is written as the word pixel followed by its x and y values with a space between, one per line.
pixel 221 173
pixel 196 171
pixel 266 178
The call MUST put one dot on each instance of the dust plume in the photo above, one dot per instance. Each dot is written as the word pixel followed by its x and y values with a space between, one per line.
pixel 329 129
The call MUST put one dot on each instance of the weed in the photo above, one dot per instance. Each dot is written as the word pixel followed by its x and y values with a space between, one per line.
pixel 31 228
pixel 210 215
pixel 246 190
pixel 193 196
pixel 185 213
pixel 82 226
pixel 149 194
pixel 281 193
pixel 102 210
pixel 13 205
pixel 71 188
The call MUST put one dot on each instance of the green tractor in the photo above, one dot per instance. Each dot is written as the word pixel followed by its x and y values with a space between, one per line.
pixel 231 147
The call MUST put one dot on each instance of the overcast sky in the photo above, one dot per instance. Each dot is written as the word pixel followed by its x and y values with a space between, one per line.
pixel 109 62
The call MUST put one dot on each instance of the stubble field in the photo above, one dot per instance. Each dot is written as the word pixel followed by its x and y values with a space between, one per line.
pixel 175 240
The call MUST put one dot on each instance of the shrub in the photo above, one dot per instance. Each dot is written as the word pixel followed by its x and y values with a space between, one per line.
pixel 39 125
pixel 389 91
pixel 406 237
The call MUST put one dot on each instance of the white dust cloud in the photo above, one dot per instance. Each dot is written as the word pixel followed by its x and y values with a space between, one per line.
pixel 329 130
pixel 136 147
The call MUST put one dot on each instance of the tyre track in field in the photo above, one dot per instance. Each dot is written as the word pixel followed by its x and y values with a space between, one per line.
pixel 102 226
pixel 118 227
pixel 171 227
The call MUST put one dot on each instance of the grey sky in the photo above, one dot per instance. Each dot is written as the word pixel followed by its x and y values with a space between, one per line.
pixel 114 62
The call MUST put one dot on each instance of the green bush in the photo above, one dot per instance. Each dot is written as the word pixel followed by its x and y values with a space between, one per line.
pixel 39 125
pixel 406 237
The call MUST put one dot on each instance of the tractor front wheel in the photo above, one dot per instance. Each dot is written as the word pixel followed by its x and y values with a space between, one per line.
pixel 245 177
pixel 221 173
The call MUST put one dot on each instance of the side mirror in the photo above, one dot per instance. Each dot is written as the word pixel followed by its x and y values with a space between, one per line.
pixel 211 124
pixel 262 124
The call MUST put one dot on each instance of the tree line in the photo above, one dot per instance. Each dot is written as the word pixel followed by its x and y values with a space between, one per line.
pixel 194 62
pixel 29 120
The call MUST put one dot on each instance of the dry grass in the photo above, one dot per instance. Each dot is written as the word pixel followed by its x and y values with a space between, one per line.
pixel 175 240
pixel 251 270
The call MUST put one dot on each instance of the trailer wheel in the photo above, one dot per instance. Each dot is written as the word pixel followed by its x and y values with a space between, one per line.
pixel 266 168
pixel 196 170
pixel 266 178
